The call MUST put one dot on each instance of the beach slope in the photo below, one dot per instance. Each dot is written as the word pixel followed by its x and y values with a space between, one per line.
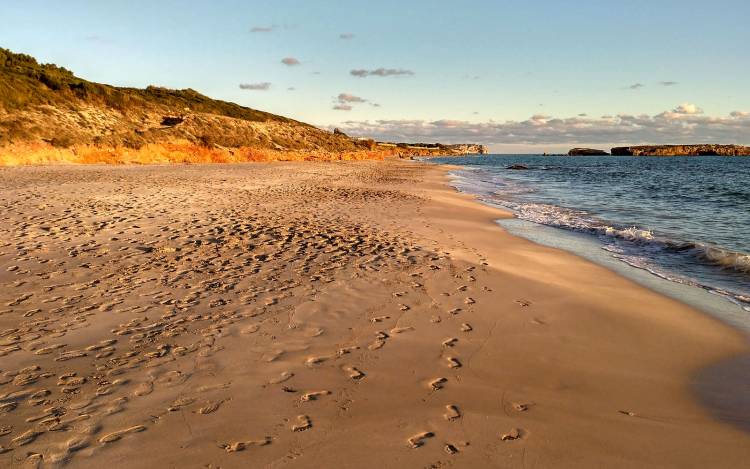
pixel 350 314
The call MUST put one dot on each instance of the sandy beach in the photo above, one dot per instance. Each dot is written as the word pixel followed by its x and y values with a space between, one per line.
pixel 348 314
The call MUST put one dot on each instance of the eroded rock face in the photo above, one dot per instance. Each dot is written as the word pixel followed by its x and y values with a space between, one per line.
pixel 586 152
pixel 682 150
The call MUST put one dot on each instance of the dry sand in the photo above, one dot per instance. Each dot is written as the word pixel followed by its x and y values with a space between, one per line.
pixel 328 315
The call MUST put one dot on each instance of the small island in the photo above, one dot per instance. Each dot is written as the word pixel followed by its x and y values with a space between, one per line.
pixel 587 152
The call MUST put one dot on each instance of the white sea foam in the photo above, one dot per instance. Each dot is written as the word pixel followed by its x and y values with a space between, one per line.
pixel 633 245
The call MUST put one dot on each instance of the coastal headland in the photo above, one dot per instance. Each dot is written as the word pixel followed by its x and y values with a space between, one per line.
pixel 49 115
pixel 707 149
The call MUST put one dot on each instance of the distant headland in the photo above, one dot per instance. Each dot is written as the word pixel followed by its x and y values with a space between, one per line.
pixel 667 150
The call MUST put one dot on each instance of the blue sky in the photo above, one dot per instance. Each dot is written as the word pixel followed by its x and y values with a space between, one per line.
pixel 473 70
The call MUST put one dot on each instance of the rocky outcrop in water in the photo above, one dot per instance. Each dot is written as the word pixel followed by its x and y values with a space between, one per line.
pixel 682 150
pixel 586 152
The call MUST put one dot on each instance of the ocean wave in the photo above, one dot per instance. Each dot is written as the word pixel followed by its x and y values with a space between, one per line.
pixel 645 239
pixel 736 261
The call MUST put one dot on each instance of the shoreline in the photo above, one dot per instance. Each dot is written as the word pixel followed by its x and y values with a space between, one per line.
pixel 353 313
pixel 699 273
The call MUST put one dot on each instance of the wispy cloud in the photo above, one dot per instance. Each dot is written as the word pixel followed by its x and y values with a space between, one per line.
pixel 346 36
pixel 262 29
pixel 380 72
pixel 684 123
pixel 350 98
pixel 636 86
pixel 344 101
pixel 290 61
pixel 668 83
pixel 262 86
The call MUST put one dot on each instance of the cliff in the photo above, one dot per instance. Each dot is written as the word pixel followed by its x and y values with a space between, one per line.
pixel 682 150
pixel 436 149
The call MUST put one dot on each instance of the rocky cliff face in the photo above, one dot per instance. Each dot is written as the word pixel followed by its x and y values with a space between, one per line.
pixel 435 149
pixel 682 150
pixel 468 149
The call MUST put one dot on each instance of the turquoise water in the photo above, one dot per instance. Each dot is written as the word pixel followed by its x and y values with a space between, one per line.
pixel 684 219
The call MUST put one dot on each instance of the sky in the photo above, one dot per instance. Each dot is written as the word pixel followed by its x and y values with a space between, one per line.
pixel 519 76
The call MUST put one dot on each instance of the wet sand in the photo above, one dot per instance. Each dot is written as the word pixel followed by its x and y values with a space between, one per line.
pixel 356 314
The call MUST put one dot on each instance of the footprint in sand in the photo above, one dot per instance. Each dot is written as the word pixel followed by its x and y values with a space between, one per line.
pixel 312 361
pixel 469 301
pixel 521 407
pixel 143 389
pixel 419 439
pixel 523 303
pixel 453 362
pixel 452 413
pixel 313 396
pixel 454 311
pixel 376 344
pixel 210 407
pixel 437 384
pixel 435 319
pixel 346 350
pixel 25 438
pixel 450 449
pixel 450 342
pixel 466 327
pixel 242 445
pixel 284 376
pixel 303 423
pixel 379 319
pixel 114 436
pixel 354 373
pixel 180 403
pixel 400 330
pixel 513 434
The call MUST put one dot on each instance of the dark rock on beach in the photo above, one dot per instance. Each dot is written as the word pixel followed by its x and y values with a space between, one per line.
pixel 517 166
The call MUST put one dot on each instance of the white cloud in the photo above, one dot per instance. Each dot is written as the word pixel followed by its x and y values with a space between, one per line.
pixel 263 86
pixel 687 108
pixel 346 36
pixel 342 107
pixel 350 98
pixel 290 61
pixel 684 124
pixel 380 72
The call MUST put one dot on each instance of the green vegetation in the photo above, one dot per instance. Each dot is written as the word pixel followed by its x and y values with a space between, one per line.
pixel 24 82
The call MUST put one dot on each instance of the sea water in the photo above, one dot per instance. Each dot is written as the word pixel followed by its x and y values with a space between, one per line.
pixel 681 219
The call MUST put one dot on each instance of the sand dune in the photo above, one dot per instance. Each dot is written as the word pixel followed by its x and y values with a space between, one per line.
pixel 352 314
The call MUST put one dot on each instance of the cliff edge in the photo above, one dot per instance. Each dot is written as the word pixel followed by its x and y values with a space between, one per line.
pixel 682 150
